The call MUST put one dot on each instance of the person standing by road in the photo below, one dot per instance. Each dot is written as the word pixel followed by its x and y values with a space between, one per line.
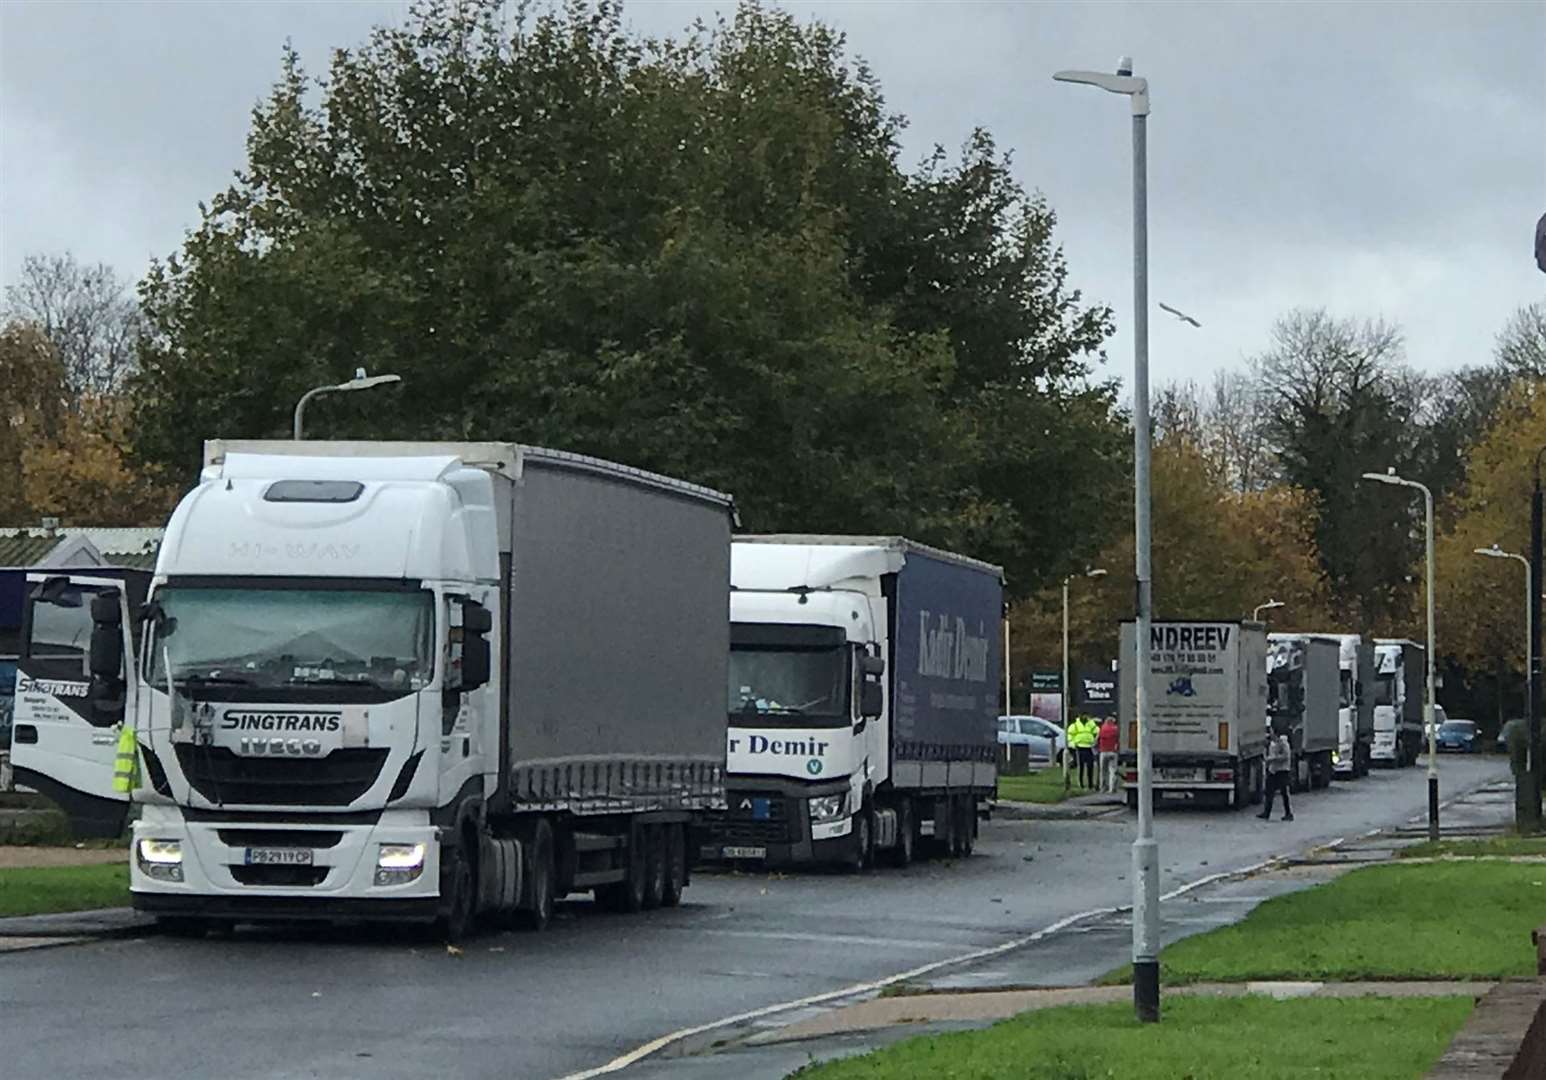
pixel 1280 757
pixel 1106 744
pixel 1082 734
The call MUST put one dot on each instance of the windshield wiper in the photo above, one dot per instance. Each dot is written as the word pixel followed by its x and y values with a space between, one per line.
pixel 216 680
pixel 329 680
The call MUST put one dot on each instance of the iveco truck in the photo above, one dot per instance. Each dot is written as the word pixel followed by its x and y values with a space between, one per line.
pixel 425 681
pixel 1398 701
pixel 1304 679
pixel 1355 716
pixel 1207 702
pixel 863 700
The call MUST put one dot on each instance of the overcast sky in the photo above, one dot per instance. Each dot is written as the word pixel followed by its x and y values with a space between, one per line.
pixel 1375 159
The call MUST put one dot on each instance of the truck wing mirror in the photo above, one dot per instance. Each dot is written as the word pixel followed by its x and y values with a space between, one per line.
pixel 106 692
pixel 872 701
pixel 476 618
pixel 873 665
pixel 476 660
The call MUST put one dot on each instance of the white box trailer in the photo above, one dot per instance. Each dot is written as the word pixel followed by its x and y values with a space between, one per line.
pixel 1207 701
pixel 1398 701
pixel 1304 676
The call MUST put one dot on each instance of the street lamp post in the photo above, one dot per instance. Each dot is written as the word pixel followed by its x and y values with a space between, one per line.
pixel 361 381
pixel 1536 689
pixel 1145 848
pixel 1532 800
pixel 1433 754
pixel 1063 697
pixel 1268 606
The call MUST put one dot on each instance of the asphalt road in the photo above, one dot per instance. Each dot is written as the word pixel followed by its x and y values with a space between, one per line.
pixel 360 1003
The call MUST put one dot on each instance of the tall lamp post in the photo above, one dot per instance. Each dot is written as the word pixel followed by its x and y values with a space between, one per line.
pixel 1532 799
pixel 1268 606
pixel 1390 477
pixel 1146 999
pixel 361 381
pixel 1063 697
pixel 1538 576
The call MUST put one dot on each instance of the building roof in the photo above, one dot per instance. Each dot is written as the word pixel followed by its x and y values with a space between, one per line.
pixel 132 548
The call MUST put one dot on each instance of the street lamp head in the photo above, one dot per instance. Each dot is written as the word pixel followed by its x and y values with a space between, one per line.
pixel 361 381
pixel 1387 477
pixel 1097 572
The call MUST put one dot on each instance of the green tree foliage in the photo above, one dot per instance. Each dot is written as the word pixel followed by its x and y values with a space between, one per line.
pixel 697 255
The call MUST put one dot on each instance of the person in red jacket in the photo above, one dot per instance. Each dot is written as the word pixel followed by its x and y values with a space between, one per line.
pixel 1106 743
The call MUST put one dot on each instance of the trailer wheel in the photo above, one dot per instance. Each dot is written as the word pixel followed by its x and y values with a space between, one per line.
pixel 655 857
pixel 537 909
pixel 676 865
pixel 906 834
pixel 627 896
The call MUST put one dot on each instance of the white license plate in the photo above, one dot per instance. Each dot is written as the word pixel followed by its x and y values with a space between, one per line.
pixel 278 856
pixel 745 853
pixel 1176 774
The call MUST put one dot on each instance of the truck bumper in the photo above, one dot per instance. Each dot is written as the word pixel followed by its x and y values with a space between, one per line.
pixel 769 823
pixel 223 870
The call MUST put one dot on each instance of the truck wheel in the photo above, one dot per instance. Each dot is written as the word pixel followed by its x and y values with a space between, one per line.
pixel 906 834
pixel 655 857
pixel 457 898
pixel 959 827
pixel 968 818
pixel 864 842
pixel 537 909
pixel 676 865
pixel 627 896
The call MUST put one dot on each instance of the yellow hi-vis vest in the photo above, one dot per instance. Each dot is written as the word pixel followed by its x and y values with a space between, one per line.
pixel 126 763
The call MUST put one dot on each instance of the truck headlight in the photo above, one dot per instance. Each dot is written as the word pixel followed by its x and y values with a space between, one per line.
pixel 398 864
pixel 160 860
pixel 828 807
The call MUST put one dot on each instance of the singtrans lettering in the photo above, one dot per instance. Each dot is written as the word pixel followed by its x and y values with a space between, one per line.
pixel 25 684
pixel 251 721
pixel 949 651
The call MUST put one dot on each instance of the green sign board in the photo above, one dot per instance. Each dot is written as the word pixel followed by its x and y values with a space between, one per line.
pixel 1046 682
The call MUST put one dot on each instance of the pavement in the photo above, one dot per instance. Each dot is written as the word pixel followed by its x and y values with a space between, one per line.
pixel 652 995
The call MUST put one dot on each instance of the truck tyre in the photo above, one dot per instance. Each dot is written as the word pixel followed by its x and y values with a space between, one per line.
pixel 959 829
pixel 458 898
pixel 655 857
pixel 676 865
pixel 906 834
pixel 968 825
pixel 627 896
pixel 536 909
pixel 864 842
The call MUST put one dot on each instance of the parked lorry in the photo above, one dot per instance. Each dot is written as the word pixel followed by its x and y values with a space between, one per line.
pixel 1304 685
pixel 1398 701
pixel 407 681
pixel 863 700
pixel 1207 702
pixel 1355 715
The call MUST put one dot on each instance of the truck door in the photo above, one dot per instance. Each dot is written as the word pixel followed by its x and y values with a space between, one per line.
pixel 75 683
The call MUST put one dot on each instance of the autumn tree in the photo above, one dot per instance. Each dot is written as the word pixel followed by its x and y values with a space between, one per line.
pixel 1521 345
pixel 88 313
pixel 32 408
pixel 699 255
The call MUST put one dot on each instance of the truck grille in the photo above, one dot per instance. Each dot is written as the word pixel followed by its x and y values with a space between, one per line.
pixel 292 876
pixel 741 825
pixel 226 778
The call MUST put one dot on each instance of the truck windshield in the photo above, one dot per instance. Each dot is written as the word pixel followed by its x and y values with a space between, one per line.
pixel 1385 689
pixel 295 637
pixel 790 682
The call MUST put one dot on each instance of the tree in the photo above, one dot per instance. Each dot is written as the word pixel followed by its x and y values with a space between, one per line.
pixel 1339 401
pixel 1217 553
pixel 696 255
pixel 87 312
pixel 32 409
pixel 1521 345
pixel 82 476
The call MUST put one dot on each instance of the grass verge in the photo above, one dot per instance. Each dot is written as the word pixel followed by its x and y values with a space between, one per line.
pixel 1042 786
pixel 1426 921
pixel 63 888
pixel 1492 846
pixel 1200 1038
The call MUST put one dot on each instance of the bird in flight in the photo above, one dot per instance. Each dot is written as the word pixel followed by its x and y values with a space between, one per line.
pixel 1183 316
